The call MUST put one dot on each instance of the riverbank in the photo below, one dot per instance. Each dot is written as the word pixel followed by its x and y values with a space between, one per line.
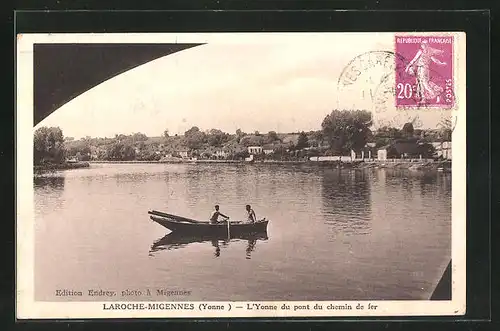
pixel 357 164
pixel 61 166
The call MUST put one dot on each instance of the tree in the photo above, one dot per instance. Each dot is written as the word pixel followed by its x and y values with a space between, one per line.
pixel 48 145
pixel 303 141
pixel 426 150
pixel 408 130
pixel 347 130
pixel 279 153
pixel 419 133
pixel 379 142
pixel 446 129
pixel 272 136
pixel 147 153
pixel 385 135
pixel 239 134
pixel 316 138
pixel 388 132
pixel 137 137
pixel 216 137
pixel 312 152
pixel 120 137
pixel 194 138
pixel 252 140
pixel 80 151
pixel 120 152
pixel 241 155
pixel 166 133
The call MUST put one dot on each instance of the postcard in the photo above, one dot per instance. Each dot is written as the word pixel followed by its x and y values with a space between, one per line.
pixel 214 175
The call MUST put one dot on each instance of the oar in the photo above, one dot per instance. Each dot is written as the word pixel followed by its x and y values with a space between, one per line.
pixel 228 233
pixel 175 217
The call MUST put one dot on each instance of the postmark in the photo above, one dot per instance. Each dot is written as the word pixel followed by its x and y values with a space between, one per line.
pixel 361 77
pixel 367 82
pixel 370 81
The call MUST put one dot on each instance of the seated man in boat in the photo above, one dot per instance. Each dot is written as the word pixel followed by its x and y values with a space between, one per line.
pixel 215 215
pixel 251 214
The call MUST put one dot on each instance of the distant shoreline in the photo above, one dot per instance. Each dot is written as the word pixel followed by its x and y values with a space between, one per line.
pixel 358 164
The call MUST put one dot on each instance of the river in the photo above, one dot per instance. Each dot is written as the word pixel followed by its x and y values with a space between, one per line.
pixel 370 234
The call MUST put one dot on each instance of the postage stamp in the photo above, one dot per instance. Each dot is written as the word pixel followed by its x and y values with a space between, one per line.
pixel 162 178
pixel 427 78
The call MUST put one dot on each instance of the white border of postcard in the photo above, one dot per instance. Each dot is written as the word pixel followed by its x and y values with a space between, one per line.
pixel 28 308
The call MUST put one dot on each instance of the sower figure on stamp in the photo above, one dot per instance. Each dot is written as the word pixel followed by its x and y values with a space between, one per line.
pixel 215 215
pixel 419 67
pixel 250 214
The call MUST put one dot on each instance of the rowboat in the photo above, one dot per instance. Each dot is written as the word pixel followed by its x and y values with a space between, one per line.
pixel 186 225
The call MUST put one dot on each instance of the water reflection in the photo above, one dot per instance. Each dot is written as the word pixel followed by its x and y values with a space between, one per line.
pixel 250 248
pixel 54 182
pixel 319 220
pixel 175 240
pixel 346 201
pixel 443 184
pixel 215 243
pixel 423 183
pixel 48 190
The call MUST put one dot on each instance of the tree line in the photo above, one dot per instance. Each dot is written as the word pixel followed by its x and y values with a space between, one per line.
pixel 341 131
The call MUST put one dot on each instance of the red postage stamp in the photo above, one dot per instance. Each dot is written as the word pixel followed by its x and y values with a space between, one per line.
pixel 425 77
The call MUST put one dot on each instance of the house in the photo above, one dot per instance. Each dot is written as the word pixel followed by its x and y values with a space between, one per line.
pixel 183 152
pixel 405 148
pixel 233 149
pixel 96 152
pixel 255 150
pixel 322 143
pixel 364 153
pixel 275 147
pixel 443 149
pixel 398 150
pixel 268 149
pixel 382 153
pixel 271 148
pixel 330 158
pixel 361 154
pixel 221 153
pixel 290 139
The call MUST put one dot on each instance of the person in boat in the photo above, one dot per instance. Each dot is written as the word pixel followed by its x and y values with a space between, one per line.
pixel 215 215
pixel 251 214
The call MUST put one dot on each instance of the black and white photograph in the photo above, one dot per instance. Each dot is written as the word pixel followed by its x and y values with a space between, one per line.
pixel 240 175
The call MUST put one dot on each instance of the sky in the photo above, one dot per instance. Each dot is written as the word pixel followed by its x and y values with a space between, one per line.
pixel 286 86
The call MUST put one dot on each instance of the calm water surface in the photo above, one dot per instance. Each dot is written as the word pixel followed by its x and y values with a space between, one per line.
pixel 333 235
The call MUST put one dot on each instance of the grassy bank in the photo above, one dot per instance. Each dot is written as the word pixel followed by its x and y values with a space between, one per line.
pixel 61 166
